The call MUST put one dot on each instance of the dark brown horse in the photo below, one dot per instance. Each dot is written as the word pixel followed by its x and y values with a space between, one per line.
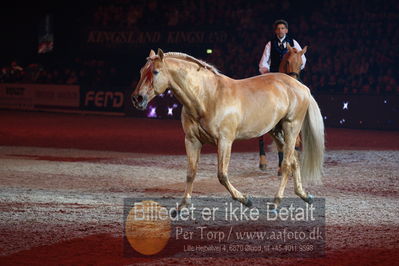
pixel 291 65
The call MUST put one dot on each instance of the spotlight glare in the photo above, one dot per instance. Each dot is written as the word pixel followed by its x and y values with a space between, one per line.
pixel 153 112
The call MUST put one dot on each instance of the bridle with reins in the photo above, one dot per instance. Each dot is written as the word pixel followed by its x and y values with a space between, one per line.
pixel 295 75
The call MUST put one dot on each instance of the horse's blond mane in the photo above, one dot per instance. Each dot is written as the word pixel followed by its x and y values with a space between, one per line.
pixel 192 59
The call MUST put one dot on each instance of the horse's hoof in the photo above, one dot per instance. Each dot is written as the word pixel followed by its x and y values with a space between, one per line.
pixel 277 201
pixel 279 173
pixel 174 213
pixel 185 202
pixel 272 206
pixel 247 202
pixel 263 167
pixel 273 211
pixel 309 199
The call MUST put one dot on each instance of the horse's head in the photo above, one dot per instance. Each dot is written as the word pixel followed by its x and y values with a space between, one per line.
pixel 153 80
pixel 292 60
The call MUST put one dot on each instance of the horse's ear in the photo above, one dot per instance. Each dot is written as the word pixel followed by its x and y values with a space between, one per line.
pixel 152 53
pixel 304 50
pixel 289 47
pixel 160 53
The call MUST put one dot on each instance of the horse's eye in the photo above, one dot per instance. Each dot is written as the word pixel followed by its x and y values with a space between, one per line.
pixel 155 72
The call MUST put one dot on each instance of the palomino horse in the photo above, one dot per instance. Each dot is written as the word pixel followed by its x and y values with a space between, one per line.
pixel 290 65
pixel 219 110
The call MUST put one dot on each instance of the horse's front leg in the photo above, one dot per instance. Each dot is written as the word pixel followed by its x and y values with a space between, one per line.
pixel 193 150
pixel 224 152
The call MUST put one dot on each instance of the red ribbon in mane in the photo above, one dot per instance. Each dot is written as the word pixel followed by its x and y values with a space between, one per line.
pixel 148 73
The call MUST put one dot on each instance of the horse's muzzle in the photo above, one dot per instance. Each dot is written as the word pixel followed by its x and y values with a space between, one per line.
pixel 140 102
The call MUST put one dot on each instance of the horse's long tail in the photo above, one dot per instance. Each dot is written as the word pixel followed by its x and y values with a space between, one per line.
pixel 313 144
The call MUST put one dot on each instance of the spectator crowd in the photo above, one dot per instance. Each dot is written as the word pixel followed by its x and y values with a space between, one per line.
pixel 352 44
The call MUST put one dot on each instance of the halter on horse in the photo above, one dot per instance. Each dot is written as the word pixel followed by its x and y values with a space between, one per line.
pixel 292 61
pixel 218 110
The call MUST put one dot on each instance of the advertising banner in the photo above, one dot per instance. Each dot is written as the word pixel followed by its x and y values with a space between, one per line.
pixel 39 96
pixel 103 99
pixel 100 39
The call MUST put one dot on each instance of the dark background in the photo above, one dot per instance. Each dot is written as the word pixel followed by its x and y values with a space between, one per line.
pixel 353 45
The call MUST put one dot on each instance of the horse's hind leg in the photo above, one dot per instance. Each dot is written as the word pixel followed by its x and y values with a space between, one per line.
pixel 298 183
pixel 278 137
pixel 290 164
pixel 224 152
pixel 193 149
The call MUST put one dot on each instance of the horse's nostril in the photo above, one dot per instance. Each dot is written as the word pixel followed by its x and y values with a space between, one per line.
pixel 137 98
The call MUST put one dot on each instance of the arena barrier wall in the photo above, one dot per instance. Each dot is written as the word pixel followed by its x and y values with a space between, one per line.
pixel 338 110
pixel 107 99
pixel 165 106
pixel 39 97
pixel 360 111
